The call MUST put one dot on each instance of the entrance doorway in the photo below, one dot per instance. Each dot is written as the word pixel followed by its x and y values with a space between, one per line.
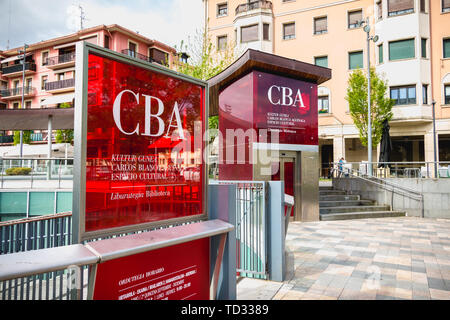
pixel 284 170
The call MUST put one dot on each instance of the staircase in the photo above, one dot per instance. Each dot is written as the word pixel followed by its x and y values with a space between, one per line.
pixel 337 205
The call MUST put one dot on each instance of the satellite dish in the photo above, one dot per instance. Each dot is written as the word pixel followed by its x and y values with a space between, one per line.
pixel 375 38
pixel 366 28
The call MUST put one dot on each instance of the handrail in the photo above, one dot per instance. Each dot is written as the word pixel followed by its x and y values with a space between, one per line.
pixel 38 218
pixel 289 204
pixel 411 193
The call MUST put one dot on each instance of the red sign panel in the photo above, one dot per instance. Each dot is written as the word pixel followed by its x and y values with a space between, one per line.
pixel 144 146
pixel 286 107
pixel 179 272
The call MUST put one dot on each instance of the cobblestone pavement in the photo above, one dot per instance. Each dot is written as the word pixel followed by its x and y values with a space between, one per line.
pixel 387 258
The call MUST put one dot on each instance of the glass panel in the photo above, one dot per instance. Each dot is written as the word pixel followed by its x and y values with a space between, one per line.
pixel 424 48
pixel 403 49
pixel 397 7
pixel 355 60
pixel 321 61
pixel 289 31
pixel 447 94
pixel 412 95
pixel 42 203
pixel 402 96
pixel 353 19
pixel 380 53
pixel 425 94
pixel 446 48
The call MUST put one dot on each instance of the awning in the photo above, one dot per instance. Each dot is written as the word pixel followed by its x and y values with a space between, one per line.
pixel 36 119
pixel 13 58
pixel 60 98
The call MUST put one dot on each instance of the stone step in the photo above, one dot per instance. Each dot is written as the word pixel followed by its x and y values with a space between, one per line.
pixel 346 203
pixel 331 192
pixel 339 197
pixel 347 209
pixel 361 215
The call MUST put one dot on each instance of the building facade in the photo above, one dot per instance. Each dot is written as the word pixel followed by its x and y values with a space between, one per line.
pixel 412 53
pixel 50 67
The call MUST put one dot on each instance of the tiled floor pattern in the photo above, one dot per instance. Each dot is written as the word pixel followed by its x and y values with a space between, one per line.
pixel 388 258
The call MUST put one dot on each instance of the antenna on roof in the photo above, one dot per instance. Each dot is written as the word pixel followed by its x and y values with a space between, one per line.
pixel 9 24
pixel 82 16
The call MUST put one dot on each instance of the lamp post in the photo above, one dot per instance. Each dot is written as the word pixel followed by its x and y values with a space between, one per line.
pixel 369 104
pixel 434 141
pixel 25 46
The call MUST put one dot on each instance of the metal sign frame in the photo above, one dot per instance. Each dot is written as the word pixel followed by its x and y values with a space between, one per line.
pixel 83 49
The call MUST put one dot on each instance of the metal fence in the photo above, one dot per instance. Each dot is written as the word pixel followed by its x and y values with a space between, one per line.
pixel 251 234
pixel 424 169
pixel 43 172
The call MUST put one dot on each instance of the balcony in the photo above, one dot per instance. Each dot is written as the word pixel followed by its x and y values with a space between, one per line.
pixel 14 93
pixel 17 69
pixel 60 86
pixel 261 4
pixel 61 61
pixel 411 114
pixel 134 54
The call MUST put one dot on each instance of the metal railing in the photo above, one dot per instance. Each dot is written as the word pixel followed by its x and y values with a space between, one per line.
pixel 339 172
pixel 44 173
pixel 406 169
pixel 251 220
pixel 34 233
pixel 29 66
pixel 64 58
pixel 261 4
pixel 17 91
pixel 61 84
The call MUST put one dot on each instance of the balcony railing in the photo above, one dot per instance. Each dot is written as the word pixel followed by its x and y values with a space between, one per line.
pixel 17 92
pixel 7 139
pixel 64 58
pixel 261 4
pixel 61 84
pixel 29 66
pixel 134 54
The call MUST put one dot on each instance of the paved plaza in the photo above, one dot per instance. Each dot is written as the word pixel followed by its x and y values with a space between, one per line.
pixel 387 258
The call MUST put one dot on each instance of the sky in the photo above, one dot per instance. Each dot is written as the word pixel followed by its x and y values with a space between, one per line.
pixel 31 21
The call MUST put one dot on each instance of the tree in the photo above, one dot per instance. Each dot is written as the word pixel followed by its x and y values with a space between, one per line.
pixel 26 137
pixel 64 136
pixel 381 105
pixel 205 61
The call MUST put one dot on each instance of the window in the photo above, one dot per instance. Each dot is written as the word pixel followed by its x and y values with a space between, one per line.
pixel 43 82
pixel 266 31
pixel 289 31
pixel 425 94
pixel 323 104
pixel 447 93
pixel 422 6
pixel 445 5
pixel 321 61
pixel 380 53
pixel 446 44
pixel 354 18
pixel 132 48
pixel 404 95
pixel 28 104
pixel 159 56
pixel 106 42
pixel 60 76
pixel 424 47
pixel 380 10
pixel 355 60
pixel 16 105
pixel 45 58
pixel 249 33
pixel 396 7
pixel 320 25
pixel 403 49
pixel 222 9
pixel 221 43
pixel 28 83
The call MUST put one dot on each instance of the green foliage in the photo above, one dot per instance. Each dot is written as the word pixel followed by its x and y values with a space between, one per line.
pixel 213 122
pixel 19 171
pixel 26 137
pixel 381 106
pixel 64 136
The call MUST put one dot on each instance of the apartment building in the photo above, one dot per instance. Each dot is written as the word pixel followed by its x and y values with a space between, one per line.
pixel 50 66
pixel 412 53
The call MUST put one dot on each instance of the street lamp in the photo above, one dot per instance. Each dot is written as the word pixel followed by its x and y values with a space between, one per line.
pixel 369 111
pixel 25 46
pixel 434 141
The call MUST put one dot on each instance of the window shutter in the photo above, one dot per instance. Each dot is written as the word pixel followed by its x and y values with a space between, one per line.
pixel 159 56
pixel 289 29
pixel 446 48
pixel 400 5
pixel 354 17
pixel 320 25
pixel 445 4
pixel 356 60
pixel 403 49
pixel 249 33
